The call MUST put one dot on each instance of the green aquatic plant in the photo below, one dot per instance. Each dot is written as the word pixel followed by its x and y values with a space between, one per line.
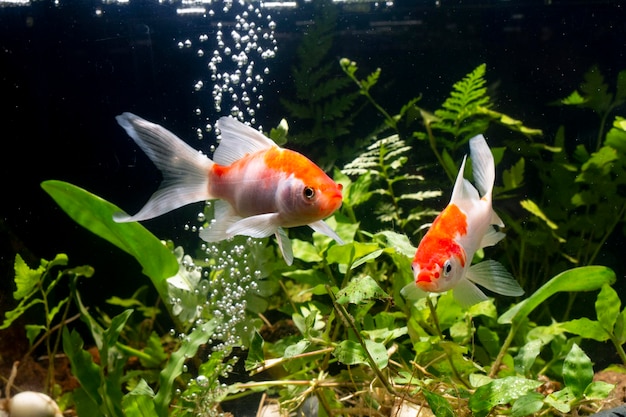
pixel 40 288
pixel 323 107
pixel 332 332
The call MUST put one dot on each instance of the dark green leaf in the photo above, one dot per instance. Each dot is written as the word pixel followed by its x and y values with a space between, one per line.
pixel 577 371
pixel 439 405
pixel 96 215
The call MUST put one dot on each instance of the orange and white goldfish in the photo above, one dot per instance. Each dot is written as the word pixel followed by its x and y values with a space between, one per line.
pixel 259 187
pixel 443 258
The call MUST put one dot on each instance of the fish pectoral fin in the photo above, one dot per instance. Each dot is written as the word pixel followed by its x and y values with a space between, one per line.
pixel 285 245
pixel 468 294
pixel 412 292
pixel 322 227
pixel 260 225
pixel 493 276
pixel 225 217
pixel 491 237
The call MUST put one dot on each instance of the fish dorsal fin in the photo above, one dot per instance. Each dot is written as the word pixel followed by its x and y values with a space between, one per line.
pixel 463 190
pixel 483 165
pixel 238 140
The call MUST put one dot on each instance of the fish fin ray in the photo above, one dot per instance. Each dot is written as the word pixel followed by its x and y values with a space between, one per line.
pixel 322 227
pixel 495 219
pixel 483 165
pixel 284 244
pixel 412 292
pixel 238 140
pixel 491 237
pixel 260 225
pixel 225 217
pixel 463 190
pixel 493 276
pixel 184 169
pixel 468 294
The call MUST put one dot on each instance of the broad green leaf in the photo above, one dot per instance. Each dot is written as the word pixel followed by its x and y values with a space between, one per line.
pixel 439 405
pixel 489 339
pixel 598 390
pixel 585 278
pixel 399 242
pixel 514 177
pixel 296 349
pixel 26 279
pixel 350 252
pixel 96 215
pixel 577 371
pixel 561 400
pixel 361 289
pixel 616 136
pixel 589 329
pixel 526 356
pixel 350 352
pixel 255 355
pixel 527 404
pixel 607 307
pixel 305 251
pixel 500 391
pixel 83 367
pixel 139 402
pixel 32 331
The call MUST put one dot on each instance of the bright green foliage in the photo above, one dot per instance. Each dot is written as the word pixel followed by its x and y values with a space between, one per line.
pixel 37 288
pixel 96 215
pixel 467 96
pixel 337 334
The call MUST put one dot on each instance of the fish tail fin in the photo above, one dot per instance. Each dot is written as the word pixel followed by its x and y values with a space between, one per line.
pixel 185 170
pixel 483 165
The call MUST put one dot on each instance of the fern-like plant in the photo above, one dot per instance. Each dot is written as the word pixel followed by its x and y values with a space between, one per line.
pixel 383 164
pixel 322 105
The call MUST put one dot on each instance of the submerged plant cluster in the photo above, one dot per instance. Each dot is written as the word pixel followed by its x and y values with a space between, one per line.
pixel 332 334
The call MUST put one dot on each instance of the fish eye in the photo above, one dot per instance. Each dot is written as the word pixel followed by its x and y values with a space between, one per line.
pixel 309 193
pixel 447 268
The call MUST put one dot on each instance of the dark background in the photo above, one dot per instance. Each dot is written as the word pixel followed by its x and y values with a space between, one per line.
pixel 65 72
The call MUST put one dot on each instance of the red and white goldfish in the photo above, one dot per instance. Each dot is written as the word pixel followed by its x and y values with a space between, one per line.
pixel 443 258
pixel 259 187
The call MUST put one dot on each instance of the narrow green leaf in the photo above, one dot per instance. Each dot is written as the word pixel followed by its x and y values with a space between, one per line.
pixel 534 209
pixel 188 348
pixel 577 371
pixel 96 215
pixel 585 278
pixel 32 331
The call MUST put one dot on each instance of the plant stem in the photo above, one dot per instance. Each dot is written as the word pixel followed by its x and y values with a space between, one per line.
pixel 505 346
pixel 347 318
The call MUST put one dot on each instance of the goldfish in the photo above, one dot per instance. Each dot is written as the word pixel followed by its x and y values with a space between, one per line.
pixel 444 255
pixel 259 187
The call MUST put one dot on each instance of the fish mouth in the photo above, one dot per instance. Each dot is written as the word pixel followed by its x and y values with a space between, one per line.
pixel 424 277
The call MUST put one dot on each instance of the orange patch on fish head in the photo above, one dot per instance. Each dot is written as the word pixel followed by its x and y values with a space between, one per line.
pixel 312 194
pixel 439 261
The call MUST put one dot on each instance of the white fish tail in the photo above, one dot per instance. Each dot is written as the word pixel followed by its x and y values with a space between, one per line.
pixel 185 170
pixel 483 165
